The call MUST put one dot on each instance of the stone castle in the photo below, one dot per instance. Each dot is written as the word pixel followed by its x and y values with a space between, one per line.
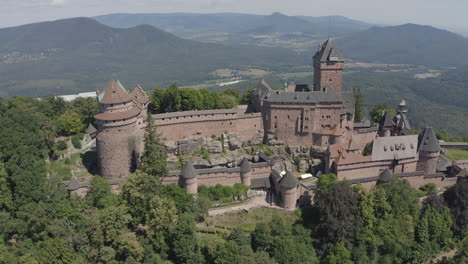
pixel 320 117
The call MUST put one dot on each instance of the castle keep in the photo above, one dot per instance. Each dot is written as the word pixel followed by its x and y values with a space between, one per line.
pixel 319 118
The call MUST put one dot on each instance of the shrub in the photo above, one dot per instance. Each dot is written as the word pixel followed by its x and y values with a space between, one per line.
pixel 62 145
pixel 297 160
pixel 76 140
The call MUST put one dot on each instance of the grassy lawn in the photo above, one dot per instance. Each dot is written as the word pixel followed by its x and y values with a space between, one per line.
pixel 62 169
pixel 249 220
pixel 456 154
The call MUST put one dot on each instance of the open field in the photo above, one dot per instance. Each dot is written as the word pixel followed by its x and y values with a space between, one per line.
pixel 456 154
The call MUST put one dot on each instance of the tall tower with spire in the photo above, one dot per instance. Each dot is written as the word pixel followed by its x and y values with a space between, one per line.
pixel 328 68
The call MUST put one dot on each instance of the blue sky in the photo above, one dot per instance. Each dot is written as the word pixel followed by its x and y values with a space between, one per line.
pixel 448 14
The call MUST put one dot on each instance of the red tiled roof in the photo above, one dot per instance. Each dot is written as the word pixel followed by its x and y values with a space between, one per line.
pixel 119 115
pixel 114 94
pixel 139 95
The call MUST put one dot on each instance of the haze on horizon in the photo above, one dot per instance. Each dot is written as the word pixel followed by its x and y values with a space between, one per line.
pixel 449 14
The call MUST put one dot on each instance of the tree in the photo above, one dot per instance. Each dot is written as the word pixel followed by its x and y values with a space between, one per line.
pixel 183 241
pixel 157 100
pixel 456 198
pixel 379 110
pixel 246 97
pixel 227 101
pixel 6 199
pixel 325 182
pixel 56 250
pixel 161 215
pixel 338 254
pixel 190 99
pixel 173 99
pixel 358 105
pixel 70 123
pixel 137 192
pixel 113 222
pixel 86 108
pixel 153 159
pixel 100 195
pixel 340 220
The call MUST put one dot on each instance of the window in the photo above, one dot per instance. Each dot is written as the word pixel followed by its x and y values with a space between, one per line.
pixel 275 125
pixel 306 127
pixel 276 117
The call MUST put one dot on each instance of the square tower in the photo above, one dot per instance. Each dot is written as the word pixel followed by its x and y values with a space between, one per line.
pixel 328 68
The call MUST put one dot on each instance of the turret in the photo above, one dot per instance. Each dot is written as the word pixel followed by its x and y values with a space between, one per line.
pixel 429 151
pixel 288 185
pixel 386 125
pixel 245 172
pixel 385 177
pixel 189 178
pixel 328 68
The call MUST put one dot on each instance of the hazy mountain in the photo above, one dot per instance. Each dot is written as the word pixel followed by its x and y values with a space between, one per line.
pixel 267 30
pixel 81 54
pixel 406 44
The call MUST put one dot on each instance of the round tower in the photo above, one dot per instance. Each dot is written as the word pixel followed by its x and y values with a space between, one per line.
pixel 289 185
pixel 245 172
pixel 429 151
pixel 189 178
pixel 118 139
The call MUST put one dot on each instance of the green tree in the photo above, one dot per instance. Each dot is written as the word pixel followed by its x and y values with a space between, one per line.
pixel 379 110
pixel 157 100
pixel 56 250
pixel 246 97
pixel 153 159
pixel 137 192
pixel 226 101
pixel 70 123
pixel 340 220
pixel 113 222
pixel 86 108
pixel 358 105
pixel 456 198
pixel 325 182
pixel 100 195
pixel 6 197
pixel 183 241
pixel 129 247
pixel 190 99
pixel 173 99
pixel 338 254
pixel 209 99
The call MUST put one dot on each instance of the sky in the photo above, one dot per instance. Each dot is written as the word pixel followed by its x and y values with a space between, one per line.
pixel 447 14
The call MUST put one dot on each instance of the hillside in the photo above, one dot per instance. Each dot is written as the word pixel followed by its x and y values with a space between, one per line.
pixel 406 44
pixel 81 54
pixel 270 30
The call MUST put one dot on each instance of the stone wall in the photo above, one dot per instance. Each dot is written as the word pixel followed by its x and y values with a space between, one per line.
pixel 372 168
pixel 294 125
pixel 224 176
pixel 428 161
pixel 454 145
pixel 328 76
pixel 179 125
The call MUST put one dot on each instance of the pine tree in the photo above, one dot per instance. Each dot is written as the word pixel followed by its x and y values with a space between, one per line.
pixel 153 160
pixel 358 105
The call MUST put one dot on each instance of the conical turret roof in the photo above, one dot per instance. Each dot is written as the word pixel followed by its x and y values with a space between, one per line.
pixel 428 141
pixel 289 181
pixel 114 93
pixel 245 166
pixel 91 129
pixel 386 121
pixel 188 172
pixel 385 176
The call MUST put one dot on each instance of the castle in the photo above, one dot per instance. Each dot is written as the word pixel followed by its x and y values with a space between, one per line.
pixel 320 116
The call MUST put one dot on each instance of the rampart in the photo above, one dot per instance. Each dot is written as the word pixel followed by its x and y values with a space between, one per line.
pixel 454 145
pixel 205 123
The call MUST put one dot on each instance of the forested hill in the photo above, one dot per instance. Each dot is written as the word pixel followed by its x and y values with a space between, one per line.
pixel 190 25
pixel 406 44
pixel 80 54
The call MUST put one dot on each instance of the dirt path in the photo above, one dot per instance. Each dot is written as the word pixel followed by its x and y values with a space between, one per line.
pixel 439 257
pixel 255 202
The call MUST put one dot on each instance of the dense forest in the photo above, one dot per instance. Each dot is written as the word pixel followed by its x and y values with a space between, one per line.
pixel 151 223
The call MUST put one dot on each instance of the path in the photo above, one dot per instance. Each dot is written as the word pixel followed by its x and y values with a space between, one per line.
pixel 255 202
pixel 439 257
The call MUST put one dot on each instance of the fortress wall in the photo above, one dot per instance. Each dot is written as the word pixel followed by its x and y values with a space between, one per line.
pixel 176 126
pixel 454 145
pixel 372 168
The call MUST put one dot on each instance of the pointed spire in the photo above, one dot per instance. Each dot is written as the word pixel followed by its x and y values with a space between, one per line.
pixel 385 176
pixel 188 172
pixel 328 53
pixel 245 166
pixel 91 129
pixel 428 141
pixel 386 121
pixel 114 93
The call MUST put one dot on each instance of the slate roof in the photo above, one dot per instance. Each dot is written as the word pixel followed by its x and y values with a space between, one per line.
pixel 289 181
pixel 188 171
pixel 328 53
pixel 245 166
pixel 114 93
pixel 260 183
pixel 442 164
pixel 386 121
pixel 261 89
pixel 91 129
pixel 397 147
pixel 386 176
pixel 313 97
pixel 428 141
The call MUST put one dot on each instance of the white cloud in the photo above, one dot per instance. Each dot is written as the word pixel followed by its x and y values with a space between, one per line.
pixel 58 2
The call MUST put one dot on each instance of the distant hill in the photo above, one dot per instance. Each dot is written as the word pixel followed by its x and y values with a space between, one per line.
pixel 81 54
pixel 406 44
pixel 272 30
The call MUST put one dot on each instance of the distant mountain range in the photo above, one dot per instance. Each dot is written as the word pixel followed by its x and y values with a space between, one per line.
pixel 270 30
pixel 82 54
pixel 406 44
